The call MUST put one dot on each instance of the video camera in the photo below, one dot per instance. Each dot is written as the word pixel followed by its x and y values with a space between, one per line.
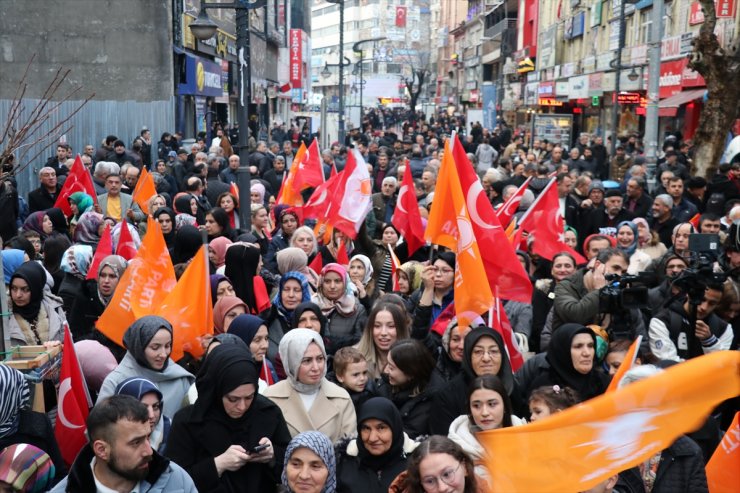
pixel 694 280
pixel 621 293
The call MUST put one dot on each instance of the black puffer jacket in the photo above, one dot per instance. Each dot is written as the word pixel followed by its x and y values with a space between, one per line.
pixel 415 410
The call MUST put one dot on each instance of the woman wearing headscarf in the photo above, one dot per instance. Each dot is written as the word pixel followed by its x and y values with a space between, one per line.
pixel 288 221
pixel 346 315
pixel 409 280
pixel 187 243
pixel 79 203
pixel 39 222
pixel 361 274
pixel 310 466
pixel 12 259
pixel 185 203
pixel 96 363
pixel 253 331
pixel 308 400
pixel 148 343
pixel 89 228
pixel 18 424
pixel 148 394
pixel 220 286
pixel 371 462
pixel 55 248
pixel 648 240
pixel 627 241
pixel 225 311
pixel 484 354
pixel 242 265
pixel 217 251
pixel 570 361
pixel 26 469
pixel 38 316
pixel 213 439
pixel 58 221
pixel 451 353
pixel 294 259
pixel 257 193
pixel 293 290
pixel 436 293
pixel 75 263
pixel 167 226
pixel 563 265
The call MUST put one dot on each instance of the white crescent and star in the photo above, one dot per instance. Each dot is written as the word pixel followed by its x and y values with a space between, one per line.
pixel 466 237
pixel 399 200
pixel 64 389
pixel 472 200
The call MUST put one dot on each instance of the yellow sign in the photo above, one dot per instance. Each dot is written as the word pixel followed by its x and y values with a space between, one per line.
pixel 550 102
pixel 200 76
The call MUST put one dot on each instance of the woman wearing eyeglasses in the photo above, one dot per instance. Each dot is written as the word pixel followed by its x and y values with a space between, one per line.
pixel 437 291
pixel 147 392
pixel 439 465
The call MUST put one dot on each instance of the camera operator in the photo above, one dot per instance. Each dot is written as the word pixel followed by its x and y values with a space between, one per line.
pixel 578 299
pixel 673 338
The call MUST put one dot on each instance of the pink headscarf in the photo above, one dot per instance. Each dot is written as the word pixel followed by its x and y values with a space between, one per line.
pixel 219 246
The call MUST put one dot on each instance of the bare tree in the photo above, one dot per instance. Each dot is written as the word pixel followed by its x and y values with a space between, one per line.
pixel 25 135
pixel 417 74
pixel 720 68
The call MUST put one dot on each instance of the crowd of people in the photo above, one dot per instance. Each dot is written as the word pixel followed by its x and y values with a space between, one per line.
pixel 353 379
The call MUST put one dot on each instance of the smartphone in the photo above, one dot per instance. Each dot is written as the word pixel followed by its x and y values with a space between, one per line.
pixel 259 448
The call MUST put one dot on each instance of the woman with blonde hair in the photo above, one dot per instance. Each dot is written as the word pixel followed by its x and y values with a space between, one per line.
pixel 385 325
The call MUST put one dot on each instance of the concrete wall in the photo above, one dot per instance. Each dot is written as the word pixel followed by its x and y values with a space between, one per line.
pixel 120 50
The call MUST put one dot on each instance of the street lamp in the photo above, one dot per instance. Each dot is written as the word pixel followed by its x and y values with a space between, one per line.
pixel 341 71
pixel 326 73
pixel 356 48
pixel 633 75
pixel 617 65
pixel 204 28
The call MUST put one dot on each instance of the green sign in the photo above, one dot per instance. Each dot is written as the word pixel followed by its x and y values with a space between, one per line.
pixel 594 100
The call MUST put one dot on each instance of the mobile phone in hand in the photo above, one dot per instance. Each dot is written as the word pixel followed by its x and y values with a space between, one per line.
pixel 259 448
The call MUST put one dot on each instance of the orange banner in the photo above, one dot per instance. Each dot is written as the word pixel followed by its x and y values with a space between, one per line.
pixel 144 190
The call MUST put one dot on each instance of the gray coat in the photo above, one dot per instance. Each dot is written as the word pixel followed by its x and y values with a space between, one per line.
pixel 53 306
pixel 126 203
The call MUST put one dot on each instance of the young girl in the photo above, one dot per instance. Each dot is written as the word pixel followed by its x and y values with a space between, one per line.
pixel 547 400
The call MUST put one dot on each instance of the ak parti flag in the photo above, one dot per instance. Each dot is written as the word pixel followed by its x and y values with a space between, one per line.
pixel 310 171
pixel 352 198
pixel 287 194
pixel 125 247
pixel 450 225
pixel 144 190
pixel 104 248
pixel 78 180
pixel 577 448
pixel 189 309
pixel 406 217
pixel 509 208
pixel 723 473
pixel 73 403
pixel 143 287
pixel 627 363
pixel 543 221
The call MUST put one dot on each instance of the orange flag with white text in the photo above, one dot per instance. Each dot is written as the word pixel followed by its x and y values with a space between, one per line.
pixel 287 195
pixel 449 225
pixel 577 448
pixel 723 471
pixel 189 309
pixel 144 190
pixel 143 286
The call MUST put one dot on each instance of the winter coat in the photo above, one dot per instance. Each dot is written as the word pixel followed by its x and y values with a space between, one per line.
pixel 164 477
pixel 35 429
pixel 354 477
pixel 681 469
pixel 332 412
pixel 415 410
pixel 345 331
pixel 53 306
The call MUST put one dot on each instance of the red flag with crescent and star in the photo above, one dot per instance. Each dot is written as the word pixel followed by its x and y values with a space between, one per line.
pixel 509 208
pixel 400 16
pixel 126 247
pixel 318 204
pixel 105 248
pixel 451 225
pixel 406 217
pixel 544 221
pixel 78 180
pixel 503 269
pixel 310 172
pixel 73 403
pixel 347 211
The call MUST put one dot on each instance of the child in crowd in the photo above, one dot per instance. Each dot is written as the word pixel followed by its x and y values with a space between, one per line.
pixel 350 372
pixel 547 400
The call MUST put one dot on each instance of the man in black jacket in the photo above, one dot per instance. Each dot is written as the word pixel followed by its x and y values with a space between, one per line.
pixel 57 161
pixel 44 196
pixel 604 221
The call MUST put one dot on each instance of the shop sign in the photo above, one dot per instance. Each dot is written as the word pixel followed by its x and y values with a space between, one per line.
pixel 561 88
pixel 296 58
pixel 546 89
pixel 724 8
pixel 686 39
pixel 595 15
pixel 568 69
pixel 628 98
pixel 614 35
pixel 225 76
pixel 625 84
pixel 603 62
pixel 530 93
pixel 617 7
pixel 595 84
pixel 690 78
pixel 578 87
pixel 579 21
pixel 549 102
pixel 589 64
pixel 547 47
pixel 675 47
pixel 670 78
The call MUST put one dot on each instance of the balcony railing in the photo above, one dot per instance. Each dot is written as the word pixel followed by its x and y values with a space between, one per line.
pixel 499 27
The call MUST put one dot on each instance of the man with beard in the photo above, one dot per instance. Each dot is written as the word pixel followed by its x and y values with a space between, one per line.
pixel 119 456
pixel 604 221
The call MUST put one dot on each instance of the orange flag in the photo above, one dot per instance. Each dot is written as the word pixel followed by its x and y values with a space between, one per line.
pixel 142 288
pixel 449 225
pixel 189 309
pixel 723 473
pixel 144 190
pixel 577 448
pixel 627 362
pixel 287 195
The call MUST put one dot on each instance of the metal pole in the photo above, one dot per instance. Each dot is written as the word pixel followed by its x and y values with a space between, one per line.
pixel 245 97
pixel 618 72
pixel 362 83
pixel 341 73
pixel 651 117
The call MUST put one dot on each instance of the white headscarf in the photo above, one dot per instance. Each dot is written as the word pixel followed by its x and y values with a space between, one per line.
pixel 292 347
pixel 368 267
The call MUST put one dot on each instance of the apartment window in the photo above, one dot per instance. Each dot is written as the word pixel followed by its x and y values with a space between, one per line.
pixel 393 68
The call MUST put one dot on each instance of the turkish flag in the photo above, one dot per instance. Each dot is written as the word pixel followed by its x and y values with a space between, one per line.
pixel 400 16
pixel 310 172
pixel 503 269
pixel 544 222
pixel 73 403
pixel 126 247
pixel 501 324
pixel 78 180
pixel 318 205
pixel 347 211
pixel 509 208
pixel 261 297
pixel 105 248
pixel 317 263
pixel 144 190
pixel 406 217
pixel 342 257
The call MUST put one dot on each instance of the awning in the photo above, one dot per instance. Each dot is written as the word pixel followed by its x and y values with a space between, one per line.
pixel 669 106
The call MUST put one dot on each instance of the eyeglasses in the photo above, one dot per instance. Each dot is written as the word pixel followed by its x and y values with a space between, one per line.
pixel 493 353
pixel 447 477
pixel 438 270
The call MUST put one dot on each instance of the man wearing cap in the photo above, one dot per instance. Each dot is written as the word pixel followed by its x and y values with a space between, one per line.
pixel 619 164
pixel 604 221
pixel 671 163
pixel 696 188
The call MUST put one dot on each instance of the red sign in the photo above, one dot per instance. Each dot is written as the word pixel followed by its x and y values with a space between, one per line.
pixel 724 8
pixel 670 77
pixel 400 16
pixel 628 98
pixel 296 58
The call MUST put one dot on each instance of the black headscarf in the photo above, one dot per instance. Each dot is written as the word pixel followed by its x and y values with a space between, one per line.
pixel 187 243
pixel 139 335
pixel 35 277
pixel 241 268
pixel 58 221
pixel 226 367
pixel 169 238
pixel 384 410
pixel 504 373
pixel 182 204
pixel 309 306
pixel 561 362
